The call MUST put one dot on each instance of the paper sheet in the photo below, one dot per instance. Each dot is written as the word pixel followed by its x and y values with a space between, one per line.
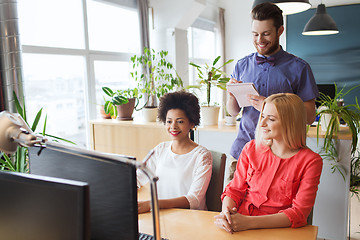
pixel 241 91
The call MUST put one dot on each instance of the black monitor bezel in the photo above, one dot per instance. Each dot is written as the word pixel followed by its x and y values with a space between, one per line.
pixel 22 181
pixel 99 158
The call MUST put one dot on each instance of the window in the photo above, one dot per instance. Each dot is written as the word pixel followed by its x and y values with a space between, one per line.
pixel 202 50
pixel 56 84
pixel 52 23
pixel 71 49
pixel 112 28
pixel 112 74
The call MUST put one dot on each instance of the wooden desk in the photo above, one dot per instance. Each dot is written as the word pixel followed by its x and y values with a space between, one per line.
pixel 194 224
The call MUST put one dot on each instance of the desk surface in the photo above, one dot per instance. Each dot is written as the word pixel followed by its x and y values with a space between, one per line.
pixel 194 224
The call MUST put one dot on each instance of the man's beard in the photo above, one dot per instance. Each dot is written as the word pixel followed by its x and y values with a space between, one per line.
pixel 269 51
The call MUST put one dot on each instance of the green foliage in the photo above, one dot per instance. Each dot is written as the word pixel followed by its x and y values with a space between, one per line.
pixel 349 113
pixel 18 161
pixel 154 74
pixel 355 174
pixel 351 116
pixel 209 76
pixel 119 97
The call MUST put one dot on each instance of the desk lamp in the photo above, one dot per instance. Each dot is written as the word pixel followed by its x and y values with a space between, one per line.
pixel 14 131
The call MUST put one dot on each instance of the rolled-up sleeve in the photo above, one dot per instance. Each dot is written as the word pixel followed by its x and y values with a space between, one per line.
pixel 305 197
pixel 236 189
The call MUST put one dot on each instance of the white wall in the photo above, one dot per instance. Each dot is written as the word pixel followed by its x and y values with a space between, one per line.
pixel 238 30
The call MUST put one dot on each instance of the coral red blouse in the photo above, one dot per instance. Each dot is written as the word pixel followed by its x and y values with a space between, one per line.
pixel 265 184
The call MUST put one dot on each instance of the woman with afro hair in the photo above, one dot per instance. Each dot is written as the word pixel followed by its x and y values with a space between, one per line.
pixel 184 168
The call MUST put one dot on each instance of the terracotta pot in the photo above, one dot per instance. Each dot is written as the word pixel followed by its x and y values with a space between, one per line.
pixel 125 111
pixel 103 114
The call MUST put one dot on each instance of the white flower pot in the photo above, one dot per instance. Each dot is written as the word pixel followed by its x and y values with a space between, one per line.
pixel 149 114
pixel 209 115
pixel 230 120
pixel 325 119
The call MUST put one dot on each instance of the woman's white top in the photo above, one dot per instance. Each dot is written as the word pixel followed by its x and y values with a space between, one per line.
pixel 180 174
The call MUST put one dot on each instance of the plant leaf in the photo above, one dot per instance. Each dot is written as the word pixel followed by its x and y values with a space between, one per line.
pixel 216 60
pixel 19 109
pixel 36 120
pixel 59 138
pixel 108 91
pixel 44 128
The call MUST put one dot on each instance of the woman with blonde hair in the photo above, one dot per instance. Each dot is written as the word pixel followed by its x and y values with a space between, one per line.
pixel 277 176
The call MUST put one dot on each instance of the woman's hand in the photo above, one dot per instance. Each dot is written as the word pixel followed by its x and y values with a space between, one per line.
pixel 239 222
pixel 143 206
pixel 224 221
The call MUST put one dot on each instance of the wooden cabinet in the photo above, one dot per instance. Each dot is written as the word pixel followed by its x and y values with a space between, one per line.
pixel 126 137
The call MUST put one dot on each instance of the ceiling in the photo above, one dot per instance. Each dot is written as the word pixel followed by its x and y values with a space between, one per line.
pixel 329 3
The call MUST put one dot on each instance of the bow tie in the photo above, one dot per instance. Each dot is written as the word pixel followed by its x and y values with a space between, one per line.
pixel 270 60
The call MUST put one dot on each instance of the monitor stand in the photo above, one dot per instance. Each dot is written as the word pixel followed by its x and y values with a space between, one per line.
pixel 154 196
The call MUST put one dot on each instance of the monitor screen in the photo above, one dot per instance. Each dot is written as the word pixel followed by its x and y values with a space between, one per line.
pixel 112 181
pixel 327 89
pixel 43 208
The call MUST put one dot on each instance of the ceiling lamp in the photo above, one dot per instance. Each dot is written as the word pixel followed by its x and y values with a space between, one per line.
pixel 288 6
pixel 321 23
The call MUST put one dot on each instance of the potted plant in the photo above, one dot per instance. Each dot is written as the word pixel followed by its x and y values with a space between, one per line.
pixel 121 103
pixel 350 114
pixel 229 119
pixel 154 76
pixel 19 161
pixel 334 112
pixel 209 76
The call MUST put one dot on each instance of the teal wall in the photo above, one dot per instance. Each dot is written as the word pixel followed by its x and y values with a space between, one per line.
pixel 333 58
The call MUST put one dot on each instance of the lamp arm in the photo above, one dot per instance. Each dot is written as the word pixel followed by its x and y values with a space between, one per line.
pixel 14 131
pixel 24 138
pixel 154 196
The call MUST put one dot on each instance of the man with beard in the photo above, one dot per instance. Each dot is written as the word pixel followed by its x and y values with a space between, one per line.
pixel 272 70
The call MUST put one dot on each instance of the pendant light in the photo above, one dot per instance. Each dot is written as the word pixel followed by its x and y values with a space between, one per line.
pixel 288 6
pixel 321 23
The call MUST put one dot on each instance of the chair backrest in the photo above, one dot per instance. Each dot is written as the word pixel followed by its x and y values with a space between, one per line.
pixel 310 217
pixel 215 188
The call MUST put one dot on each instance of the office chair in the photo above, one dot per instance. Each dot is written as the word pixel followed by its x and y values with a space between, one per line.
pixel 310 217
pixel 215 188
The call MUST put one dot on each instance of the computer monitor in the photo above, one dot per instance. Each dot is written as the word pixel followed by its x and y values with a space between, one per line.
pixel 327 89
pixel 43 208
pixel 112 181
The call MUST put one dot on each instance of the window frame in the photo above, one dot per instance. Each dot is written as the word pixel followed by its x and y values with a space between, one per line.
pixel 90 57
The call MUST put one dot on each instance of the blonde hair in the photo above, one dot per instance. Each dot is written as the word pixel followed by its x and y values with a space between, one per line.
pixel 292 116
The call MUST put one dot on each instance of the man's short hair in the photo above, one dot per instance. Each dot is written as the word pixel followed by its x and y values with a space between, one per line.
pixel 266 11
